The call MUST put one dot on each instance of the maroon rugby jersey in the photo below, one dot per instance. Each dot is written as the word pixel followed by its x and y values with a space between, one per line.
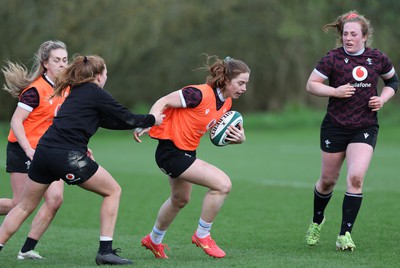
pixel 361 71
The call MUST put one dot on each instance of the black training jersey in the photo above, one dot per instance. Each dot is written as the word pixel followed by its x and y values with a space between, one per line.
pixel 362 72
pixel 87 108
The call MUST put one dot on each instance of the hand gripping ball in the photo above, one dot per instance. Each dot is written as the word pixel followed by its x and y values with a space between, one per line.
pixel 218 132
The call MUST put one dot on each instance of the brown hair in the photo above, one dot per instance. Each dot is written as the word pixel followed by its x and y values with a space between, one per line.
pixel 223 71
pixel 351 16
pixel 83 69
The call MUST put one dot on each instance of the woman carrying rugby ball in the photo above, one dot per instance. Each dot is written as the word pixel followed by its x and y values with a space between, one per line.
pixel 190 113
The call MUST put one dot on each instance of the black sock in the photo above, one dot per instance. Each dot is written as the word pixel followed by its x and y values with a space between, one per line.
pixel 30 244
pixel 1 247
pixel 320 203
pixel 105 247
pixel 351 206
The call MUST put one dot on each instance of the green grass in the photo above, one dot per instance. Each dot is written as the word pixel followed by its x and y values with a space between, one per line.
pixel 263 221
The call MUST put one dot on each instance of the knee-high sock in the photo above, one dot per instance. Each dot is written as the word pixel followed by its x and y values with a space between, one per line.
pixel 320 203
pixel 351 206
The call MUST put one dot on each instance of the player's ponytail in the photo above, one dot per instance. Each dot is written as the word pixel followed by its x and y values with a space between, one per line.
pixel 83 69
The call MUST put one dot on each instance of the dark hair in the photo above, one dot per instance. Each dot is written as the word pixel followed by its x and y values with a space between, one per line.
pixel 351 16
pixel 223 71
pixel 83 69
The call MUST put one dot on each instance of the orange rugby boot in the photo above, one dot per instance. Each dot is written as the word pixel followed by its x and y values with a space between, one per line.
pixel 158 250
pixel 208 245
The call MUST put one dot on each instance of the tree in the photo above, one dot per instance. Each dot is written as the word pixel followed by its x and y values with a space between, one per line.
pixel 156 46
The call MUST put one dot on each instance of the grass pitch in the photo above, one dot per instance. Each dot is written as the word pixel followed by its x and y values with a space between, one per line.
pixel 262 223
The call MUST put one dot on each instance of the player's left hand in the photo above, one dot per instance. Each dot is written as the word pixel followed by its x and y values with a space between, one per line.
pixel 236 134
pixel 139 132
pixel 375 103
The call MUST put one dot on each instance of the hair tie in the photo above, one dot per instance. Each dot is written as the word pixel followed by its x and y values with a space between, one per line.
pixel 352 15
pixel 227 59
pixel 85 59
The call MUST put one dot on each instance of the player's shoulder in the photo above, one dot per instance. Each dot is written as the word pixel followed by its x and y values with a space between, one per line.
pixel 374 53
pixel 336 51
pixel 191 90
pixel 90 88
pixel 333 54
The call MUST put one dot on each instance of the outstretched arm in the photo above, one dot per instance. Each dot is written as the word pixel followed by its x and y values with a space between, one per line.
pixel 172 100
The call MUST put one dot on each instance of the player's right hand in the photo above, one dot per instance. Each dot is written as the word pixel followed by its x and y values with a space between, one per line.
pixel 345 91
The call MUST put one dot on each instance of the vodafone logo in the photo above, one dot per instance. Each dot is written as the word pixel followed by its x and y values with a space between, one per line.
pixel 360 73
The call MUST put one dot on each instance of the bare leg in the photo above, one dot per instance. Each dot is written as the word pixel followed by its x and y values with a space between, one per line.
pixel 53 200
pixel 104 184
pixel 330 171
pixel 359 156
pixel 200 173
pixel 31 197
pixel 180 195
pixel 358 159
pixel 18 181
pixel 219 184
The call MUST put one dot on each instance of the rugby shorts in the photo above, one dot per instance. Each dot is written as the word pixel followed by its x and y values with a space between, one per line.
pixel 50 164
pixel 17 161
pixel 172 160
pixel 335 139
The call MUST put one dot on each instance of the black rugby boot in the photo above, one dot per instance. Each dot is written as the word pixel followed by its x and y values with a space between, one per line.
pixel 111 258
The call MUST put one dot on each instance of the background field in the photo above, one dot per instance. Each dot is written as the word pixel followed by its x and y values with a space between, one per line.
pixel 263 221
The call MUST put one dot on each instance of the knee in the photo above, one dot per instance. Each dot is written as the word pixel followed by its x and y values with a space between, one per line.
pixel 328 182
pixel 356 182
pixel 180 201
pixel 225 186
pixel 326 185
pixel 117 190
pixel 55 201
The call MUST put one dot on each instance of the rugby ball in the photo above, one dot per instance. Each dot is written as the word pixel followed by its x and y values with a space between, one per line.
pixel 218 132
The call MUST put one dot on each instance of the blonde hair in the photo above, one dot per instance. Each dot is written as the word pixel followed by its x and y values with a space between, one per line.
pixel 351 16
pixel 83 69
pixel 17 77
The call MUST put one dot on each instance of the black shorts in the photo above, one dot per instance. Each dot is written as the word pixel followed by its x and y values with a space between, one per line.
pixel 172 160
pixel 17 161
pixel 51 164
pixel 334 139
